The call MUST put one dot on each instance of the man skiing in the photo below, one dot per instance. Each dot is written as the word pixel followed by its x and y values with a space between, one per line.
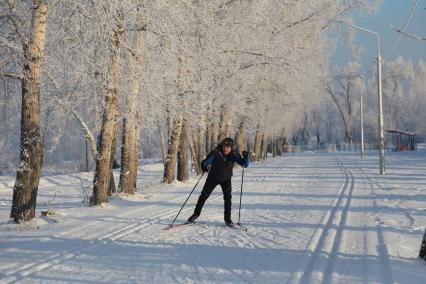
pixel 220 163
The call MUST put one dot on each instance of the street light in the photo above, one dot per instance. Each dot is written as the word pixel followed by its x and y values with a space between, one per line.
pixel 379 94
pixel 362 126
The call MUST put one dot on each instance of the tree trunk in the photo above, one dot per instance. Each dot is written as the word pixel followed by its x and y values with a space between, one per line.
pixel 170 166
pixel 215 134
pixel 250 150
pixel 346 121
pixel 239 137
pixel 126 153
pixel 169 123
pixel 257 144
pixel 135 159
pixel 111 186
pixel 201 151
pixel 173 145
pixel 209 145
pixel 195 143
pixel 130 142
pixel 163 145
pixel 274 147
pixel 195 164
pixel 129 155
pixel 103 163
pixel 31 152
pixel 174 138
pixel 182 170
pixel 278 146
pixel 264 147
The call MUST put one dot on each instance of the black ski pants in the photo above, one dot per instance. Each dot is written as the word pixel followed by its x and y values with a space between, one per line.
pixel 207 190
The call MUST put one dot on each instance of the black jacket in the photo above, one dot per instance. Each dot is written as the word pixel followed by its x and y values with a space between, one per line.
pixel 221 165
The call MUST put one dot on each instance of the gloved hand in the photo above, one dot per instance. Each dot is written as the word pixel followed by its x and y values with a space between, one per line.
pixel 205 168
pixel 245 154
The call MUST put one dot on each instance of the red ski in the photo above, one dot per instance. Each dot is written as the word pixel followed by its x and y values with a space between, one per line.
pixel 171 227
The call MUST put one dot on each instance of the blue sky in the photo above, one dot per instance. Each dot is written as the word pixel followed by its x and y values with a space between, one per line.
pixel 392 12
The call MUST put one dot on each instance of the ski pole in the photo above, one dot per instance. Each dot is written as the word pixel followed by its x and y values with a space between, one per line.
pixel 171 225
pixel 241 195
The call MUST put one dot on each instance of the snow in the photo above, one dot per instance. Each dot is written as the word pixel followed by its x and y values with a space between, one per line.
pixel 311 218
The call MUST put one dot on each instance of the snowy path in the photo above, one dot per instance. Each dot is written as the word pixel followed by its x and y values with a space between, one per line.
pixel 311 218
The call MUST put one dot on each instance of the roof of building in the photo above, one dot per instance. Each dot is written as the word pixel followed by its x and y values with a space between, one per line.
pixel 400 132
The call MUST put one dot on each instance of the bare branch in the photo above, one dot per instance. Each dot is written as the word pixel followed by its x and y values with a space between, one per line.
pixel 137 55
pixel 226 4
pixel 305 19
pixel 243 52
pixel 339 107
pixel 88 133
pixel 16 21
pixel 10 44
pixel 12 75
pixel 248 65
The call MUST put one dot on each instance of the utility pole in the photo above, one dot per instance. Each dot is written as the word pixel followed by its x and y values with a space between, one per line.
pixel 362 127
pixel 379 95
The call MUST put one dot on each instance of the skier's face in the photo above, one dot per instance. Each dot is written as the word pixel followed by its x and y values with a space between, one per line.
pixel 226 149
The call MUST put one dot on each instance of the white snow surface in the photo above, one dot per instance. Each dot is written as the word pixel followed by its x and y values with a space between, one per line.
pixel 311 218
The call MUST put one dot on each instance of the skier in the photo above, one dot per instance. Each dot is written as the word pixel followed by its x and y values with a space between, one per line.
pixel 219 163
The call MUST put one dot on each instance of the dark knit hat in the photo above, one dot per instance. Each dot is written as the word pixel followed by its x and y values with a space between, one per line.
pixel 228 142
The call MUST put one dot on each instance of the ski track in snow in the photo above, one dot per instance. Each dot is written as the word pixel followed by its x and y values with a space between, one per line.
pixel 385 267
pixel 325 241
pixel 311 218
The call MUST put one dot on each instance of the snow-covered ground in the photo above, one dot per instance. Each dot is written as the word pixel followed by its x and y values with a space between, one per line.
pixel 311 218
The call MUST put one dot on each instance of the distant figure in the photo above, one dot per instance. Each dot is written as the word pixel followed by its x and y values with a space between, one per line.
pixel 220 163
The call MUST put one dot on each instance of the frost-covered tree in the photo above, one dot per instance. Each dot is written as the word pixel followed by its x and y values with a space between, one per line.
pixel 131 128
pixel 397 74
pixel 186 73
pixel 345 91
pixel 27 39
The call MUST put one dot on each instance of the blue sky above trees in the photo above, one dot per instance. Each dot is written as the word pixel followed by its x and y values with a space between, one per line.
pixel 392 12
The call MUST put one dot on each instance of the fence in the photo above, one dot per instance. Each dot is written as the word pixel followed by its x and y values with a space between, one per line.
pixel 355 147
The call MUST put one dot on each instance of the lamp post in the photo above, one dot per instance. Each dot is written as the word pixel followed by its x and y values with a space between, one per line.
pixel 362 126
pixel 379 94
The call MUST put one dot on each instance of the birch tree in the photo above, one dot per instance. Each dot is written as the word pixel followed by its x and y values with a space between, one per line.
pixel 32 42
pixel 131 128
pixel 109 124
